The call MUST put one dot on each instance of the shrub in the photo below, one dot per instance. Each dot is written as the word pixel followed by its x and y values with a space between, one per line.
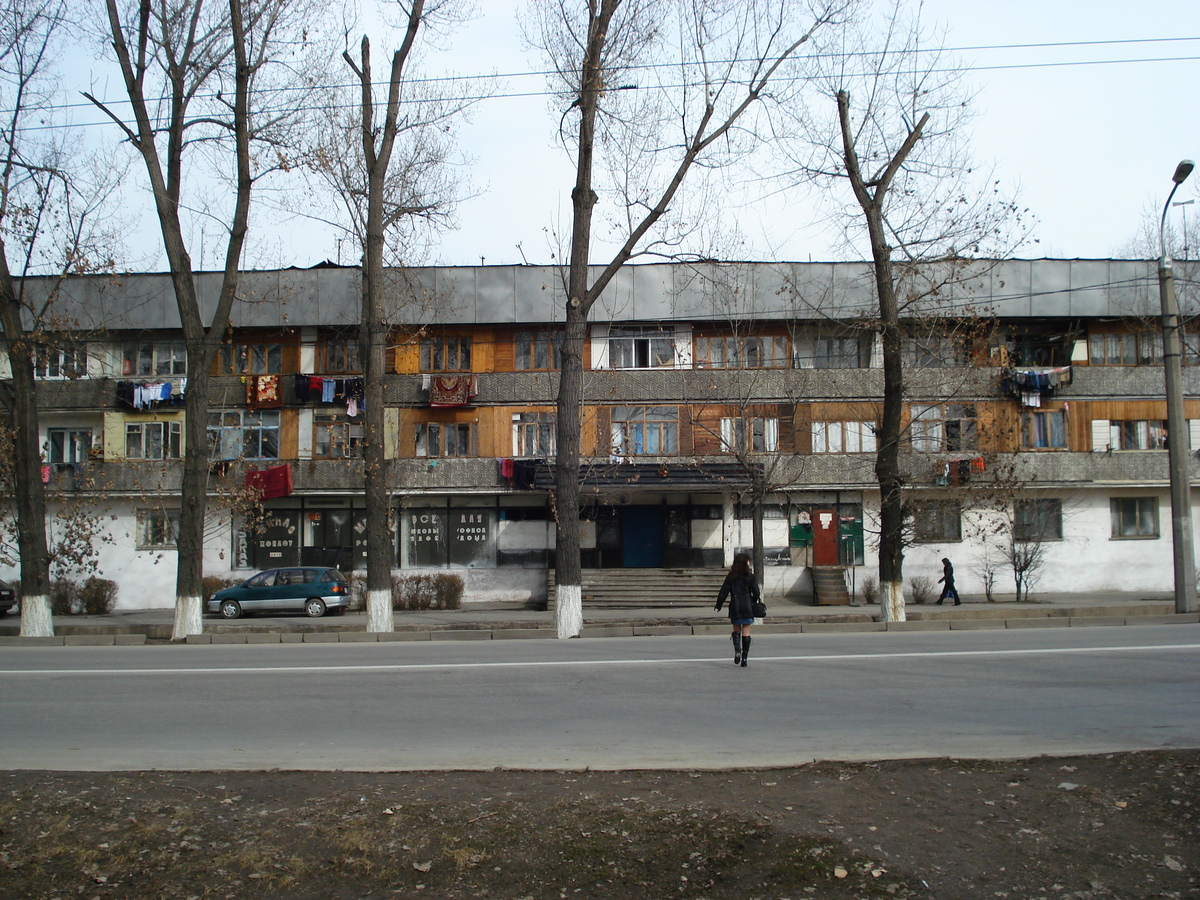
pixel 922 588
pixel 64 597
pixel 97 596
pixel 213 583
pixel 441 591
pixel 870 590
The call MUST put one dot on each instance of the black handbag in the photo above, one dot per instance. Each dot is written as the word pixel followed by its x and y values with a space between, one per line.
pixel 759 609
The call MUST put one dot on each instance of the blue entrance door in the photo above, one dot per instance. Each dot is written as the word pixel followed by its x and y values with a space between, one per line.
pixel 642 537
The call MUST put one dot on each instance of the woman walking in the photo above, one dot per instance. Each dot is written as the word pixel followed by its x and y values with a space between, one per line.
pixel 742 590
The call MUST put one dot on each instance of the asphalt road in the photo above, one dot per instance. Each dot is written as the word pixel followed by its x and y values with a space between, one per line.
pixel 648 702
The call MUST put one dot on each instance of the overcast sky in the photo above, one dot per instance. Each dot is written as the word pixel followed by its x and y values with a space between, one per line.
pixel 1092 146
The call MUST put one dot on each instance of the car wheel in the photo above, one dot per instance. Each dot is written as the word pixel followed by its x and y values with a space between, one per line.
pixel 315 607
pixel 231 609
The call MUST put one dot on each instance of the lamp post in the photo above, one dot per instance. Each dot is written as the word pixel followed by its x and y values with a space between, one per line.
pixel 1177 438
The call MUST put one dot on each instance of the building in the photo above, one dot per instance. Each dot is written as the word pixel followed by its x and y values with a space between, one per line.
pixel 1035 406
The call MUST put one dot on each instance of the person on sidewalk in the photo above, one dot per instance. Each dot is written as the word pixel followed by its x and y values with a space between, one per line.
pixel 741 588
pixel 947 582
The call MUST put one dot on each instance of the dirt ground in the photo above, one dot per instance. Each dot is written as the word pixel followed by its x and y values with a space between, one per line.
pixel 1120 825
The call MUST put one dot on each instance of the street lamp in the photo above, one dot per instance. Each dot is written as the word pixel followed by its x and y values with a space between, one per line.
pixel 1177 438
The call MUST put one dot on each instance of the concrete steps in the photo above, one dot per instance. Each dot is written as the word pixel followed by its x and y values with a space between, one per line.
pixel 829 586
pixel 645 588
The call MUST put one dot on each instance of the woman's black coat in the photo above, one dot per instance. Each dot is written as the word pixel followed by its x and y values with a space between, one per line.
pixel 742 592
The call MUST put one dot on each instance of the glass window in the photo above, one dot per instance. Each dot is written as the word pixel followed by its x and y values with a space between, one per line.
pixel 68 445
pixel 445 439
pixel 838 353
pixel 750 435
pixel 1137 434
pixel 934 352
pixel 1045 430
pixel 942 427
pixel 152 440
pixel 336 437
pixel 640 347
pixel 1142 348
pixel 339 355
pixel 154 358
pixel 533 434
pixel 157 528
pixel 250 359
pixel 446 353
pixel 244 434
pixel 936 521
pixel 1134 517
pixel 1037 520
pixel 538 349
pixel 60 362
pixel 843 437
pixel 645 430
pixel 748 352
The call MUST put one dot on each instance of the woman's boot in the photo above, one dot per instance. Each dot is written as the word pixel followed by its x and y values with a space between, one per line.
pixel 745 649
pixel 736 637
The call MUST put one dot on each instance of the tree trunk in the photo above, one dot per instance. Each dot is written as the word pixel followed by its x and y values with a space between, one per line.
pixel 373 341
pixel 28 489
pixel 568 572
pixel 189 575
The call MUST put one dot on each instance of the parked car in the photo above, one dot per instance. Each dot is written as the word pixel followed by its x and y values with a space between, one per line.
pixel 309 589
pixel 8 597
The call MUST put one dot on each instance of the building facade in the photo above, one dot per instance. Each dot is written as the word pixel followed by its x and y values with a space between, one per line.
pixel 1035 410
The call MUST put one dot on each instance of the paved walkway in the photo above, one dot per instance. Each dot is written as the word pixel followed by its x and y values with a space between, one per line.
pixel 495 621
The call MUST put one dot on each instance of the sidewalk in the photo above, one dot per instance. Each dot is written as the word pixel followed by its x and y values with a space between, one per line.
pixel 497 621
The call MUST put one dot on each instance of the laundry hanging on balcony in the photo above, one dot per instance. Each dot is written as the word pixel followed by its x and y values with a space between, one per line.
pixel 451 390
pixel 150 394
pixel 270 483
pixel 1032 385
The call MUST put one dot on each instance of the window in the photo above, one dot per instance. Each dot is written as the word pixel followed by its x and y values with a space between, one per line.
pixel 68 445
pixel 1044 430
pixel 750 435
pixel 1037 520
pixel 533 434
pixel 838 353
pixel 645 430
pixel 152 440
pixel 948 426
pixel 159 358
pixel 244 434
pixel 59 362
pixel 843 437
pixel 250 359
pixel 335 437
pixel 538 349
pixel 934 352
pixel 742 352
pixel 157 528
pixel 1137 434
pixel 640 347
pixel 936 521
pixel 445 439
pixel 446 353
pixel 1134 517
pixel 452 537
pixel 1142 348
pixel 339 355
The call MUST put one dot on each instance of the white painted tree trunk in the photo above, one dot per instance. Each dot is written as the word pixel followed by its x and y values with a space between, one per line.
pixel 379 611
pixel 892 602
pixel 36 620
pixel 189 617
pixel 568 610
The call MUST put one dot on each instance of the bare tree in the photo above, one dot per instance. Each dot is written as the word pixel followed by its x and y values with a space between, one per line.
pixel 191 74
pixel 645 138
pixel 902 151
pixel 390 179
pixel 51 204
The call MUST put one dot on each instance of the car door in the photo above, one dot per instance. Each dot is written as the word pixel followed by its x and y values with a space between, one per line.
pixel 289 591
pixel 257 593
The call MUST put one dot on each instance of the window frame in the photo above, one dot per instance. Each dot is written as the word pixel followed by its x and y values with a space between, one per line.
pixel 736 352
pixel 339 354
pixel 446 353
pixel 170 438
pixel 1152 432
pixel 934 351
pixel 926 431
pixel 1030 429
pixel 153 359
pixel 1118 516
pixel 60 363
pixel 634 429
pixel 248 422
pixel 157 529
pixel 1022 520
pixel 250 358
pixel 838 352
pixel 538 351
pixel 439 433
pixel 641 347
pixel 538 427
pixel 862 430
pixel 81 450
pixel 925 512
pixel 1124 348
pixel 339 430
pixel 749 434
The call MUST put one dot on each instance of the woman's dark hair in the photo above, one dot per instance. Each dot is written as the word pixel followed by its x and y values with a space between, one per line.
pixel 741 566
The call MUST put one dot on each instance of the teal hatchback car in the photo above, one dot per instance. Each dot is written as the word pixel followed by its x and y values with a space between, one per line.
pixel 309 589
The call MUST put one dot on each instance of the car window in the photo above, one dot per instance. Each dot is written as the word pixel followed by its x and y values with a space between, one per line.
pixel 310 575
pixel 262 579
pixel 291 576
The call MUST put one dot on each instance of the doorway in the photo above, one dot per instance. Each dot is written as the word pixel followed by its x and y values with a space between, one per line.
pixel 642 537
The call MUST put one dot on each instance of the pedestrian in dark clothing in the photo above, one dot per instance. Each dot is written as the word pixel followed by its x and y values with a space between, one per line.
pixel 947 582
pixel 742 590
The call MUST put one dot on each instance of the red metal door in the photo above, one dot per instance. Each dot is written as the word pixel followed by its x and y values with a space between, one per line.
pixel 825 537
